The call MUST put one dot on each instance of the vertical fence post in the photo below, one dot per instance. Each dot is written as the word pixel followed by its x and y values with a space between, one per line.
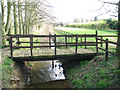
pixel 55 44
pixel 85 41
pixel 106 53
pixel 71 39
pixel 81 41
pixel 96 42
pixel 50 40
pixel 31 44
pixel 76 44
pixel 101 41
pixel 18 40
pixel 66 40
pixel 11 48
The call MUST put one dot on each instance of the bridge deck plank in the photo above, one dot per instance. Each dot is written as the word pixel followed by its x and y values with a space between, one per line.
pixel 47 51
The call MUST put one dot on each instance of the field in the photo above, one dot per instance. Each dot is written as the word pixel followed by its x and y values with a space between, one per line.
pixel 96 73
pixel 88 31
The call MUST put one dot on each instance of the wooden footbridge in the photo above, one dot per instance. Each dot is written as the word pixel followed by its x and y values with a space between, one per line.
pixel 35 48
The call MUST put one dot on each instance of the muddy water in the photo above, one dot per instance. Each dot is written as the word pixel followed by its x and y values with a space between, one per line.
pixel 47 74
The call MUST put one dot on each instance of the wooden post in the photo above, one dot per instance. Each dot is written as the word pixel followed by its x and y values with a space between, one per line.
pixel 55 44
pixel 71 39
pixel 11 48
pixel 81 41
pixel 18 41
pixel 76 44
pixel 96 42
pixel 66 40
pixel 101 41
pixel 31 44
pixel 106 53
pixel 50 40
pixel 85 41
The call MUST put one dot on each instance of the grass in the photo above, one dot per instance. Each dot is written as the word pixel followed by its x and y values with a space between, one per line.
pixel 95 74
pixel 89 31
pixel 7 71
pixel 91 39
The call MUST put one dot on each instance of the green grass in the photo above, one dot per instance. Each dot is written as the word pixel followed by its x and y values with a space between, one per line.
pixel 89 31
pixel 95 74
pixel 7 71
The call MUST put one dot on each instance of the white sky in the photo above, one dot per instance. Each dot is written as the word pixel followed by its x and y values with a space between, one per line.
pixel 68 10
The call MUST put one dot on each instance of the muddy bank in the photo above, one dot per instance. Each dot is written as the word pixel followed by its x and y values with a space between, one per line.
pixel 19 75
pixel 47 74
pixel 75 64
pixel 52 84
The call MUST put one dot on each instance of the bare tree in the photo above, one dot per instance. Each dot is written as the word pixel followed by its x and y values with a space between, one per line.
pixel 118 11
pixel 25 14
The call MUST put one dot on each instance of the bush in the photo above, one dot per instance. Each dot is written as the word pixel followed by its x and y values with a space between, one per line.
pixel 101 24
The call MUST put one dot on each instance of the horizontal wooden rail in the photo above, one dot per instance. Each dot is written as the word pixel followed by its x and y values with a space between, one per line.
pixel 108 41
pixel 107 51
pixel 27 36
pixel 106 48
pixel 107 35
pixel 54 43
pixel 50 46
pixel 4 37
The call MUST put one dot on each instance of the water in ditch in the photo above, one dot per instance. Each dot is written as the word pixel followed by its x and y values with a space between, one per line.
pixel 47 74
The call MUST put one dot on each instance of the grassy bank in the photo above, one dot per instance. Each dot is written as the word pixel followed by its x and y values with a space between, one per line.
pixel 7 72
pixel 96 73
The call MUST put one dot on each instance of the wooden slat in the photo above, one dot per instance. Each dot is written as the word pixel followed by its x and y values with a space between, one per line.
pixel 106 53
pixel 55 44
pixel 76 44
pixel 31 44
pixel 11 47
pixel 108 41
pixel 66 40
pixel 96 42
pixel 85 41
pixel 50 40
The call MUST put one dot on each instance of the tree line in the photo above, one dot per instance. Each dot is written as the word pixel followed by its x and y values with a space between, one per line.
pixel 99 24
pixel 19 16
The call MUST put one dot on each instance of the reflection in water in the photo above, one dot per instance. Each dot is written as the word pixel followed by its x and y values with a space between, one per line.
pixel 43 71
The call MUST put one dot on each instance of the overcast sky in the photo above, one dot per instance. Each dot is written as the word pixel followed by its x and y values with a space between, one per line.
pixel 68 10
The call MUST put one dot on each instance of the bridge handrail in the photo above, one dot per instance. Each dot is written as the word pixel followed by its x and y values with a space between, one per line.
pixel 66 43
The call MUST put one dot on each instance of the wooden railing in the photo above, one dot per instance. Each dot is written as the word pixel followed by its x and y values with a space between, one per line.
pixel 65 42
pixel 99 40
pixel 100 36
pixel 107 42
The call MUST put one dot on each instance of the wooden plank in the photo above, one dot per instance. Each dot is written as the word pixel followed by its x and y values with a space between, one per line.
pixel 107 35
pixel 81 41
pixel 50 40
pixel 108 41
pixel 31 44
pixel 76 44
pixel 96 42
pixel 56 57
pixel 101 41
pixel 11 47
pixel 85 41
pixel 66 41
pixel 27 36
pixel 106 53
pixel 55 44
